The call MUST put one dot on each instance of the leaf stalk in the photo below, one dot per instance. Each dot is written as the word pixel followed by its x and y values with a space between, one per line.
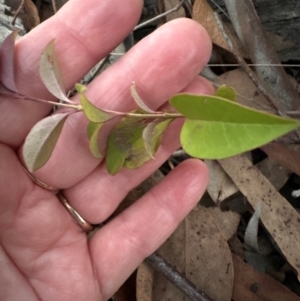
pixel 155 115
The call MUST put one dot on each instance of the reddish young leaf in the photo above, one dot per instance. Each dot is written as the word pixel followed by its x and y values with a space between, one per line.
pixel 50 73
pixel 138 100
pixel 5 91
pixel 41 141
pixel 7 54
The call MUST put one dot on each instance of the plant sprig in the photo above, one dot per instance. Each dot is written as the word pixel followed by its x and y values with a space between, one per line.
pixel 215 127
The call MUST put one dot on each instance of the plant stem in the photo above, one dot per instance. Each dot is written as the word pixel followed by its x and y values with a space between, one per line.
pixel 155 115
pixel 74 106
pixel 144 115
pixel 78 107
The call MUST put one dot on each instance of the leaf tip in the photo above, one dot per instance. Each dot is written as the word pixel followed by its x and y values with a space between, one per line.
pixel 138 100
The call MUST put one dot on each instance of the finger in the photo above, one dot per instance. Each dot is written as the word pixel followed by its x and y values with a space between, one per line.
pixel 98 195
pixel 85 31
pixel 120 246
pixel 159 71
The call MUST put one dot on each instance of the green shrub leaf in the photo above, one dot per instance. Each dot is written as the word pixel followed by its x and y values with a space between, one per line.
pixel 217 128
pixel 7 61
pixel 50 73
pixel 93 133
pixel 226 92
pixel 125 145
pixel 91 112
pixel 41 141
pixel 152 135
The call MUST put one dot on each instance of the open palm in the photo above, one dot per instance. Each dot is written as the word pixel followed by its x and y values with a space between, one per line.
pixel 44 254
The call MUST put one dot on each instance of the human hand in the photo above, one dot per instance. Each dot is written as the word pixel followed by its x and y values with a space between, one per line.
pixel 45 254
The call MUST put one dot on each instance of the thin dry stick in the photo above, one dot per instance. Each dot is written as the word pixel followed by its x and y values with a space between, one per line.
pixel 17 12
pixel 254 65
pixel 248 71
pixel 98 69
pixel 229 65
pixel 220 8
pixel 251 33
pixel 54 6
pixel 175 8
pixel 188 5
pixel 175 277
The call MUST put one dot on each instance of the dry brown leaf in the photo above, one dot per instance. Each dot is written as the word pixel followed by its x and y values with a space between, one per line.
pixel 204 14
pixel 208 258
pixel 144 285
pixel 198 249
pixel 26 19
pixel 169 4
pixel 288 156
pixel 280 219
pixel 250 285
pixel 221 187
pixel 274 172
pixel 236 247
pixel 247 93
pixel 28 15
pixel 279 42
pixel 226 221
pixel 173 250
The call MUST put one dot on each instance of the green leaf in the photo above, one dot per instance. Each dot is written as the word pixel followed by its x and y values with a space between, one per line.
pixel 125 145
pixel 217 128
pixel 137 155
pixel 114 156
pixel 80 88
pixel 50 73
pixel 7 61
pixel 91 112
pixel 226 92
pixel 93 133
pixel 41 141
pixel 152 135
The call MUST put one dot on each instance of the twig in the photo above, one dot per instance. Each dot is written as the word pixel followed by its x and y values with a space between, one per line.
pixel 179 153
pixel 8 92
pixel 175 8
pixel 98 69
pixel 17 12
pixel 293 113
pixel 220 8
pixel 254 65
pixel 247 69
pixel 188 5
pixel 253 36
pixel 153 115
pixel 230 65
pixel 54 6
pixel 175 277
